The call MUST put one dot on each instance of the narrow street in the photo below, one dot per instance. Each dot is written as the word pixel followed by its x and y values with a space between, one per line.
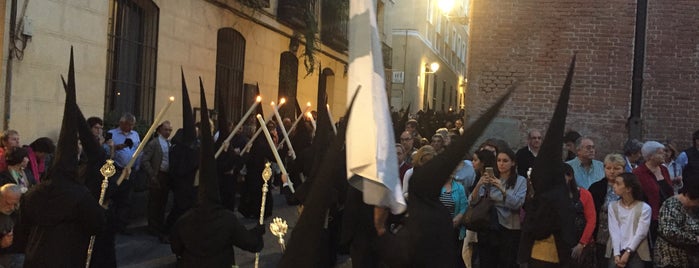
pixel 144 250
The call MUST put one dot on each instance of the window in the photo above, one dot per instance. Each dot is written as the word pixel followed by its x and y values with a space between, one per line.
pixel 288 78
pixel 230 63
pixel 132 58
pixel 430 18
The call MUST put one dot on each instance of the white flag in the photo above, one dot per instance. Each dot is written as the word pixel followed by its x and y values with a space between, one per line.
pixel 372 164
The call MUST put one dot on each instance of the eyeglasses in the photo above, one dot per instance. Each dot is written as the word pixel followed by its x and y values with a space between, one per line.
pixel 535 138
pixel 405 139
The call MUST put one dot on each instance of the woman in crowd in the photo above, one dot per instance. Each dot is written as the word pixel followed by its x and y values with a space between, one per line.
pixel 603 194
pixel 678 229
pixel 655 181
pixel 38 152
pixel 481 158
pixel 420 158
pixel 629 220
pixel 453 197
pixel 585 220
pixel 673 168
pixel 16 163
pixel 496 248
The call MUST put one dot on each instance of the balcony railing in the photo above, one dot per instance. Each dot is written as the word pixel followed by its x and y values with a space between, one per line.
pixel 335 20
pixel 291 13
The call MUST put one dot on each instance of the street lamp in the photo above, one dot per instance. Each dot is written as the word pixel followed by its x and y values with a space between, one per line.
pixel 431 68
pixel 446 7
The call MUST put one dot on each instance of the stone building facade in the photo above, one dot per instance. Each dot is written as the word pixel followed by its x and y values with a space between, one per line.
pixel 129 54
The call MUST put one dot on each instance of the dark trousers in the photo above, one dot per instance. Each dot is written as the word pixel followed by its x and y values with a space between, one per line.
pixel 498 249
pixel 184 195
pixel 121 200
pixel 158 191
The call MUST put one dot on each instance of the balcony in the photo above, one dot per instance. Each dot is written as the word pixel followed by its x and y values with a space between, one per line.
pixel 292 13
pixel 334 21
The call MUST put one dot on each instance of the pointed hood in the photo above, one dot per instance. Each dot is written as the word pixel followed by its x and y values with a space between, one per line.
pixel 550 210
pixel 399 126
pixel 308 240
pixel 548 165
pixel 190 133
pixel 221 120
pixel 65 162
pixel 208 181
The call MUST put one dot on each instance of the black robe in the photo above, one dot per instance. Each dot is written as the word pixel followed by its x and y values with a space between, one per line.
pixel 60 216
pixel 205 236
pixel 251 198
pixel 425 240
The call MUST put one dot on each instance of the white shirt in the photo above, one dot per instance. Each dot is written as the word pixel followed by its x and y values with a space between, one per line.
pixel 165 147
pixel 621 226
pixel 406 180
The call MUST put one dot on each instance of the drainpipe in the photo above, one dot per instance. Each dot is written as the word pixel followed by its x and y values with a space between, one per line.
pixel 634 122
pixel 8 70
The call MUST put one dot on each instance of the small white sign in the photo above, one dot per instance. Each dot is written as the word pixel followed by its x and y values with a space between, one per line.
pixel 398 77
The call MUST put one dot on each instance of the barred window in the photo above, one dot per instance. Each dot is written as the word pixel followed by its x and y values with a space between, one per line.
pixel 132 58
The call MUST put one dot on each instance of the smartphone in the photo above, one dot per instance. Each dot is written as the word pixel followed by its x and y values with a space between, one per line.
pixel 489 171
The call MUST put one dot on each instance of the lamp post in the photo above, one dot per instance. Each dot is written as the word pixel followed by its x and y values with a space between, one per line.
pixel 429 69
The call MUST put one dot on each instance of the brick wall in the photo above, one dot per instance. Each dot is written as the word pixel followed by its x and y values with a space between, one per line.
pixel 671 86
pixel 532 41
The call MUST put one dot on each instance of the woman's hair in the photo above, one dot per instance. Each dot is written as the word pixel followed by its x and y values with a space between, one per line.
pixel 423 155
pixel 616 159
pixel 631 181
pixel 649 148
pixel 43 145
pixel 16 156
pixel 572 185
pixel 672 147
pixel 512 180
pixel 487 159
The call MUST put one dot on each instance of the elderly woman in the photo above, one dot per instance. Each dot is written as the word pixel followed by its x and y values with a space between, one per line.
pixel 603 194
pixel 678 230
pixel 655 181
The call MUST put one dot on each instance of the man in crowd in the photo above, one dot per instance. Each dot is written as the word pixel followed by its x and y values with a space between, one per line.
pixel 11 252
pixel 587 169
pixel 526 155
pixel 408 143
pixel 155 164
pixel 688 160
pixel 125 140
pixel 632 154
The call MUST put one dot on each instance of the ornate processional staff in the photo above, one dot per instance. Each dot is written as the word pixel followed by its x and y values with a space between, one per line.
pixel 266 175
pixel 107 171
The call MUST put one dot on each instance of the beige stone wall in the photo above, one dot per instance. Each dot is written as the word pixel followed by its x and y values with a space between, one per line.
pixel 187 38
pixel 37 95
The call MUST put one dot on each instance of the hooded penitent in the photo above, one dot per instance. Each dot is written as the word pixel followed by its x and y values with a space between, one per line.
pixel 206 234
pixel 308 243
pixel 60 214
pixel 421 242
pixel 550 211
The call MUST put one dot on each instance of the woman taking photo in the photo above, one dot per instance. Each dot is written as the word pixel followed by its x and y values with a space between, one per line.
pixel 496 247
pixel 629 220
pixel 678 229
